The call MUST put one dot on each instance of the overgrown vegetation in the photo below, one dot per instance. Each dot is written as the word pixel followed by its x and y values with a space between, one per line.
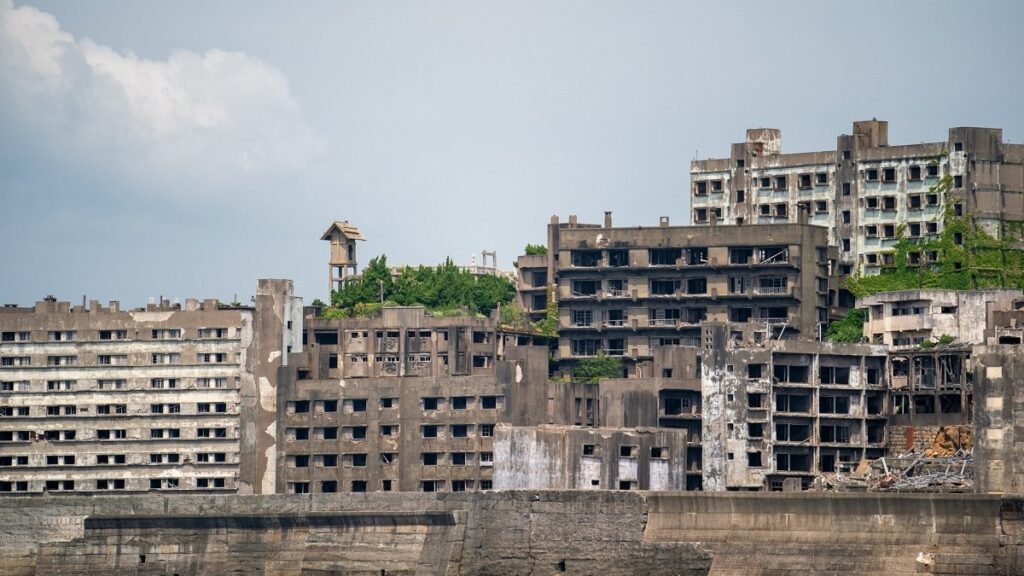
pixel 444 290
pixel 850 328
pixel 535 250
pixel 548 326
pixel 962 256
pixel 591 370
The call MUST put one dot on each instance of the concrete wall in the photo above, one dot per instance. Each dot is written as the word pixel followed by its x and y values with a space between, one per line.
pixel 499 533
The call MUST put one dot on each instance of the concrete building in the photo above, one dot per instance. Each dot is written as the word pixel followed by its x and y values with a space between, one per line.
pixel 909 317
pixel 629 292
pixel 95 398
pixel 575 458
pixel 403 402
pixel 865 189
pixel 789 410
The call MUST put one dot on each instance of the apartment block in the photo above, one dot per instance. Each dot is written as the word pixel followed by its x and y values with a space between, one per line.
pixel 98 399
pixel 864 189
pixel 789 410
pixel 906 318
pixel 402 402
pixel 629 292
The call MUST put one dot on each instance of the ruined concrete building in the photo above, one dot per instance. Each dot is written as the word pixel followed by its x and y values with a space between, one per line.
pixel 865 189
pixel 93 398
pixel 342 265
pixel 907 318
pixel 630 292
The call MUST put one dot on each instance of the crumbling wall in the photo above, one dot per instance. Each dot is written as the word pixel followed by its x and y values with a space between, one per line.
pixel 998 418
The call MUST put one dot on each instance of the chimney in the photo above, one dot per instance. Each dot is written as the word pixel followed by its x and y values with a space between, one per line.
pixel 572 220
pixel 607 219
pixel 663 222
pixel 115 306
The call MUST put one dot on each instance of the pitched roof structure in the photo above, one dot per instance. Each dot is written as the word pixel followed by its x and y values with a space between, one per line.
pixel 347 230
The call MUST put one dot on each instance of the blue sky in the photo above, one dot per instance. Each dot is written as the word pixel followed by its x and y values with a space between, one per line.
pixel 188 148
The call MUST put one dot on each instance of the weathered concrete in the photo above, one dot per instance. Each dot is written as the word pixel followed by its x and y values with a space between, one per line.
pixel 513 532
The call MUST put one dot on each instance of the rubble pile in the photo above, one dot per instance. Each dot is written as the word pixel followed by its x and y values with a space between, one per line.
pixel 946 466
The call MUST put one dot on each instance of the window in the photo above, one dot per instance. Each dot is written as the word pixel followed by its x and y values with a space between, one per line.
pixel 430 403
pixel 112 359
pixel 804 181
pixel 486 459
pixel 958 146
pixel 163 483
pixel 357 460
pixel 458 458
pixel 701 188
pixel 846 188
pixel 393 403
pixel 958 181
pixel 888 175
pixel 430 430
pixel 460 430
pixel 740 196
pixel 846 154
pixel 429 458
pixel 821 206
pixel 388 429
pixel 213 432
pixel 62 336
pixel 915 173
pixel 163 383
pixel 871 175
pixel 933 170
pixel 914 229
pixel 871 203
pixel 486 430
pixel 781 183
pixel 112 384
pixel 846 244
pixel 821 178
pixel 489 402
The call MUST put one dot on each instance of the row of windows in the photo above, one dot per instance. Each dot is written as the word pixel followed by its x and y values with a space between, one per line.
pixel 112 409
pixel 330 486
pixel 387 430
pixel 106 434
pixel 429 403
pixel 119 359
pixel 111 484
pixel 75 335
pixel 359 459
pixel 114 384
pixel 115 459
pixel 388 338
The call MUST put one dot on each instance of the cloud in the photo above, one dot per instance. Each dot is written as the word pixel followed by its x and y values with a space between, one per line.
pixel 202 119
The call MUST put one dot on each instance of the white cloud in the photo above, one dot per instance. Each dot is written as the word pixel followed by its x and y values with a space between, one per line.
pixel 213 118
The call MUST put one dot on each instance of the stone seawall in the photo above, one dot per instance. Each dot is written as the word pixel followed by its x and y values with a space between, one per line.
pixel 513 532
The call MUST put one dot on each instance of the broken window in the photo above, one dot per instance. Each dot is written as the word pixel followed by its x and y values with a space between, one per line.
pixel 697 286
pixel 754 459
pixel 871 175
pixel 888 203
pixel 585 287
pixel 766 182
pixel 914 229
pixel 915 173
pixel 889 231
pixel 924 404
pixel 834 405
pixel 792 432
pixel 821 206
pixel 698 256
pixel 740 197
pixel 871 231
pixel 781 183
pixel 755 429
pixel 586 258
pixel 834 375
pixel 871 203
pixel 616 258
pixel 664 256
pixel 701 188
pixel 914 202
pixel 958 181
pixel 582 318
pixel 716 185
pixel 764 209
pixel 804 181
pixel 933 170
pixel 821 178
pixel 781 210
pixel 741 255
pixel 664 287
pixel 888 175
pixel 846 216
pixel 793 403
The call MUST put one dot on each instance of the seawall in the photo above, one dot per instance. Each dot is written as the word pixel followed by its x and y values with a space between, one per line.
pixel 513 532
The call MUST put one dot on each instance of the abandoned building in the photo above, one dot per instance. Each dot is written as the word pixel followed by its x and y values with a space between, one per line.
pixel 575 458
pixel 628 292
pixel 790 409
pixel 909 317
pixel 95 398
pixel 342 265
pixel 865 189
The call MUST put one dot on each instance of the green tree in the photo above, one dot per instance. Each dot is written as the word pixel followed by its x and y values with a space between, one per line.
pixel 849 329
pixel 591 370
pixel 535 250
pixel 548 326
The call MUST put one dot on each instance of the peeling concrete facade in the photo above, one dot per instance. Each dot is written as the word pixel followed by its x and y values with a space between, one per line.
pixel 789 410
pixel 864 189
pixel 574 458
pixel 908 317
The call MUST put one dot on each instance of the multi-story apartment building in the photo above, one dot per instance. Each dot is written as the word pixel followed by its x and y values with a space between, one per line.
pixel 97 399
pixel 865 189
pixel 790 409
pixel 405 401
pixel 629 292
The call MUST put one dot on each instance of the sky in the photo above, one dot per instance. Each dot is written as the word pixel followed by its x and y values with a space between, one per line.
pixel 188 148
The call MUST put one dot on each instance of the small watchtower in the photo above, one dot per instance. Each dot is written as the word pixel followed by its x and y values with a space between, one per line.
pixel 342 265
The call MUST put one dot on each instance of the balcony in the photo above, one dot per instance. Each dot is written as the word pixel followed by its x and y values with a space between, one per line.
pixel 772 291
